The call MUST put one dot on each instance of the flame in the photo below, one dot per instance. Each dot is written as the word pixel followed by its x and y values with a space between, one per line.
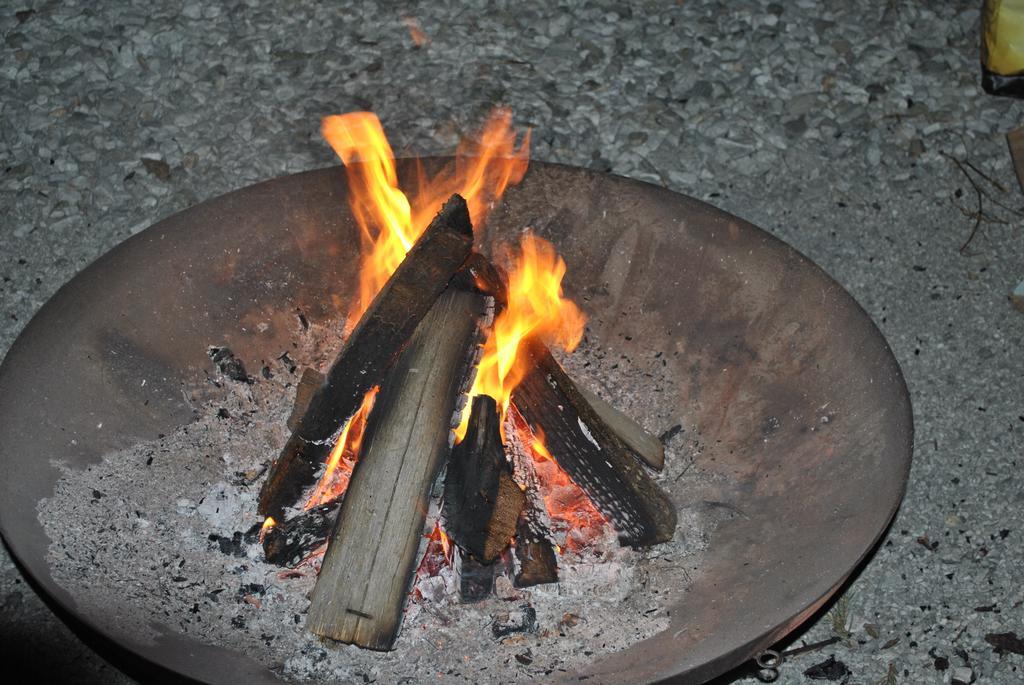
pixel 438 553
pixel 535 307
pixel 268 523
pixel 446 545
pixel 342 459
pixel 539 448
pixel 389 222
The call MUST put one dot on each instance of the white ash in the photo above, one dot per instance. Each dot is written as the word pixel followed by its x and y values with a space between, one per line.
pixel 166 530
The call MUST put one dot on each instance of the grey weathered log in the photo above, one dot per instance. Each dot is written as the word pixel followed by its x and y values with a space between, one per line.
pixel 288 543
pixel 371 556
pixel 482 502
pixel 373 347
pixel 590 452
pixel 645 446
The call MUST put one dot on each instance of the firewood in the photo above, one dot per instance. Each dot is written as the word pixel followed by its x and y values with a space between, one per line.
pixel 476 579
pixel 535 554
pixel 486 277
pixel 371 555
pixel 310 381
pixel 481 500
pixel 591 453
pixel 534 551
pixel 288 543
pixel 644 446
pixel 372 348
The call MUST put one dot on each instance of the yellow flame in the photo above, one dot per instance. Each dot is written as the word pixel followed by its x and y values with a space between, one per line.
pixel 334 482
pixel 538 446
pixel 381 210
pixel 268 523
pixel 446 545
pixel 535 307
pixel 389 222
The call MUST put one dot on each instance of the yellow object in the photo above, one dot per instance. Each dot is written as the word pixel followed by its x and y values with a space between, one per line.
pixel 1002 37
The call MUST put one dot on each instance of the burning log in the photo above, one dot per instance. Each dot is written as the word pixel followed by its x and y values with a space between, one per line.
pixel 371 555
pixel 644 446
pixel 476 579
pixel 591 453
pixel 537 561
pixel 481 272
pixel 288 543
pixel 481 500
pixel 371 349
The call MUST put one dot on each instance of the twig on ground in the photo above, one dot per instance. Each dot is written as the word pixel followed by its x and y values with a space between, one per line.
pixel 839 618
pixel 813 647
pixel 890 676
pixel 980 216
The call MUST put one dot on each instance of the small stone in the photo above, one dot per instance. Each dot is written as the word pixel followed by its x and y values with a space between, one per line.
pixel 917 148
pixel 157 167
pixel 503 588
pixel 508 623
pixel 569 620
pixel 962 676
pixel 701 89
pixel 829 669
pixel 796 127
pixel 1004 643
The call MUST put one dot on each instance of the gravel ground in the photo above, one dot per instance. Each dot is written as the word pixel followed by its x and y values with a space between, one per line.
pixel 827 123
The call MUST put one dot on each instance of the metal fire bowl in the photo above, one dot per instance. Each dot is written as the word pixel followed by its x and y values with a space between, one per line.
pixel 797 399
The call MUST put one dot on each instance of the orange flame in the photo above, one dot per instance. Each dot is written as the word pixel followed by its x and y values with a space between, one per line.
pixel 437 554
pixel 389 223
pixel 536 307
pixel 342 460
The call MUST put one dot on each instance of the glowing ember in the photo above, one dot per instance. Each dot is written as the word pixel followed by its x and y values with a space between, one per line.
pixel 437 554
pixel 536 307
pixel 569 508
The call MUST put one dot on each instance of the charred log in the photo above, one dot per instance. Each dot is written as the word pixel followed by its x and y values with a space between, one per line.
pixel 476 579
pixel 372 348
pixel 644 446
pixel 481 500
pixel 535 554
pixel 591 453
pixel 288 543
pixel 481 273
pixel 371 555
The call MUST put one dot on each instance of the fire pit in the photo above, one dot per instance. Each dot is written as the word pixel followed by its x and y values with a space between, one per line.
pixel 781 394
